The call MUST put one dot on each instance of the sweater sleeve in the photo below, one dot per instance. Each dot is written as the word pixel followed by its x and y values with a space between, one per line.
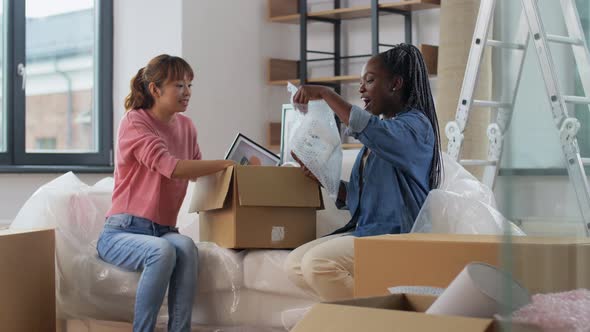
pixel 138 139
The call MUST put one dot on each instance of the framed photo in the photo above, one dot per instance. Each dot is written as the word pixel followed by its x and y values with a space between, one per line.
pixel 290 120
pixel 245 151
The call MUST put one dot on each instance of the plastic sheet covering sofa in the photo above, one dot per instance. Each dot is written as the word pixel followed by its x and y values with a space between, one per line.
pixel 237 290
pixel 242 291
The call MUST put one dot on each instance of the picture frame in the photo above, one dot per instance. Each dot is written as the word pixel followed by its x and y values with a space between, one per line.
pixel 290 120
pixel 245 151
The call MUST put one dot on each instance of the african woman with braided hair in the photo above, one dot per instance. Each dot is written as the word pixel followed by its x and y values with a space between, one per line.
pixel 399 163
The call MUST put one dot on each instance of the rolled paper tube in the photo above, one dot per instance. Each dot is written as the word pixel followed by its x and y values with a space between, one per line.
pixel 480 290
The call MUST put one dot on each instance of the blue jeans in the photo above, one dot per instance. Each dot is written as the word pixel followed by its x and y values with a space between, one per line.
pixel 168 260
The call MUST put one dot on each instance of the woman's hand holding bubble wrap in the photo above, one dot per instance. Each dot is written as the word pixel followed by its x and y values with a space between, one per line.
pixel 305 93
pixel 306 170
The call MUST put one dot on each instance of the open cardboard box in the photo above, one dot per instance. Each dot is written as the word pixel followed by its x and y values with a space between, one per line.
pixel 257 207
pixel 391 313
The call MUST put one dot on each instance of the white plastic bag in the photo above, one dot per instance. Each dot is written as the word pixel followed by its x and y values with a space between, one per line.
pixel 461 205
pixel 316 142
pixel 450 213
pixel 458 180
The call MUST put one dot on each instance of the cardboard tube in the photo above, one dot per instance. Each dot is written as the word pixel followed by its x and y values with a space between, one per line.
pixel 480 290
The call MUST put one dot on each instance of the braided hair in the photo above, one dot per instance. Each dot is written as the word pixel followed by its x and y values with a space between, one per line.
pixel 406 61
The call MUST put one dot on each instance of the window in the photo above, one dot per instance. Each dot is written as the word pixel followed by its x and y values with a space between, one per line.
pixel 56 70
pixel 532 145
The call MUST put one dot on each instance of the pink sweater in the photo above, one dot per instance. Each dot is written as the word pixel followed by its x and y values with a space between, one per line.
pixel 147 154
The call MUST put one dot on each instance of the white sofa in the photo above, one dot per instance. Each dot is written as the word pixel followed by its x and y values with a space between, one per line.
pixel 237 290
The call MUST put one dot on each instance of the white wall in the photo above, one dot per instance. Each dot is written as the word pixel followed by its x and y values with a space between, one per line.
pixel 143 29
pixel 137 39
pixel 228 43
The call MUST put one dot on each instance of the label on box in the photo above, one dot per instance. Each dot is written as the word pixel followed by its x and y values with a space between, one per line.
pixel 277 234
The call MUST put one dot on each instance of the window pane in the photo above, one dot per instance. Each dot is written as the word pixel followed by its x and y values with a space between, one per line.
pixel 2 113
pixel 60 115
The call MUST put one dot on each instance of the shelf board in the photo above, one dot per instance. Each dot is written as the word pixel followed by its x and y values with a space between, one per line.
pixel 333 79
pixel 360 11
pixel 327 79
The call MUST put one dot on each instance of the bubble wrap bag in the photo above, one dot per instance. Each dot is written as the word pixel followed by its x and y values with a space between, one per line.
pixel 316 142
pixel 461 205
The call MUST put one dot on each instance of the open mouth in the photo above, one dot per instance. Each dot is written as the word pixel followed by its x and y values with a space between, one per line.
pixel 367 102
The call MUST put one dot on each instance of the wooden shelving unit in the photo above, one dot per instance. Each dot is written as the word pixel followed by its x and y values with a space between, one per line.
pixel 285 11
pixel 281 71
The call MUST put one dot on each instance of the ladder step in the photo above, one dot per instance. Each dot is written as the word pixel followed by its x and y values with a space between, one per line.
pixel 501 44
pixel 475 162
pixel 564 40
pixel 491 103
pixel 576 100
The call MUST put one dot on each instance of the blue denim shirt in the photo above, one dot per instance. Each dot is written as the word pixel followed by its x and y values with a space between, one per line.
pixel 395 176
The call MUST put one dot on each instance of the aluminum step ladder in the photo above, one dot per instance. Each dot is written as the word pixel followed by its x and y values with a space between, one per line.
pixel 530 27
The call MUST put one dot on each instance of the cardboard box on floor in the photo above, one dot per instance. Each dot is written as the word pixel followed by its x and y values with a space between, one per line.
pixel 541 264
pixel 27 280
pixel 257 207
pixel 398 312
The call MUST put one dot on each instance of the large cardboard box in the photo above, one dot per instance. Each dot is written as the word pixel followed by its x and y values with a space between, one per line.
pixel 257 207
pixel 27 281
pixel 541 264
pixel 392 313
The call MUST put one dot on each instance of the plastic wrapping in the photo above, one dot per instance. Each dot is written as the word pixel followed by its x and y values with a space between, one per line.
pixel 457 179
pixel 264 272
pixel 316 142
pixel 87 287
pixel 462 205
pixel 237 290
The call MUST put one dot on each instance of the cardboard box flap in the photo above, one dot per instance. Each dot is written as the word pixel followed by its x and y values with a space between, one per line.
pixel 210 191
pixel 403 302
pixel 276 186
pixel 395 301
pixel 344 318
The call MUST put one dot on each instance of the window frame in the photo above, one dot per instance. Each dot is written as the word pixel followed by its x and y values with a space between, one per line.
pixel 16 158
